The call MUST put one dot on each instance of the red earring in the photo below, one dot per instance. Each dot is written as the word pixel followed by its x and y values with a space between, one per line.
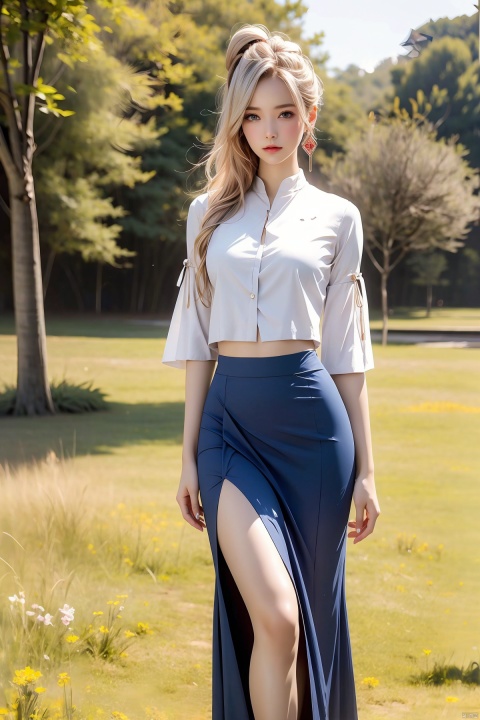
pixel 309 145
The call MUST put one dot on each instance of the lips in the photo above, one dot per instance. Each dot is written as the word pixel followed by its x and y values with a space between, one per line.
pixel 272 147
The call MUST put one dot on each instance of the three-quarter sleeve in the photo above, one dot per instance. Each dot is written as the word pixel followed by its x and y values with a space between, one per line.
pixel 345 342
pixel 187 337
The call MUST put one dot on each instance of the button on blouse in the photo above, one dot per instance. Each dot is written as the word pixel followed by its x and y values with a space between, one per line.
pixel 290 268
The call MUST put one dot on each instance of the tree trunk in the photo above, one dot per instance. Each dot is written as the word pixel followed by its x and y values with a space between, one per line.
pixel 98 289
pixel 429 299
pixel 33 390
pixel 73 284
pixel 384 278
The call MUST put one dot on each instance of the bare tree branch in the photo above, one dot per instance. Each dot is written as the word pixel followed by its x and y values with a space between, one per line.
pixel 55 129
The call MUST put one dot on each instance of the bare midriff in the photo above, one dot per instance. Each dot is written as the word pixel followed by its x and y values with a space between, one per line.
pixel 239 348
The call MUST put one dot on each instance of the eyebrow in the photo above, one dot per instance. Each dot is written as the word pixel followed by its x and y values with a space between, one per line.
pixel 277 107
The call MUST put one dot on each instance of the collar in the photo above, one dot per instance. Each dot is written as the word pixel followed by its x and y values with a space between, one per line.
pixel 287 189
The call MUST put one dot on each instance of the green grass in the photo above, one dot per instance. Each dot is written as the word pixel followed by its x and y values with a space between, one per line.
pixel 446 319
pixel 425 413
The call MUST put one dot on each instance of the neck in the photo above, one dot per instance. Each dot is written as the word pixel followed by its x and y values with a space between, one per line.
pixel 272 175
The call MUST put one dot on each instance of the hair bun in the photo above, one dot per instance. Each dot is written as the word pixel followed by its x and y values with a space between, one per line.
pixel 241 41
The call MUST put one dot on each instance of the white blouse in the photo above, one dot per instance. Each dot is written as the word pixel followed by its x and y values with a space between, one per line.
pixel 283 267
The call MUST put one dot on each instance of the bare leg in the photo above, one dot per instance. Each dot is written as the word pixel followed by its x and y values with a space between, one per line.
pixel 271 601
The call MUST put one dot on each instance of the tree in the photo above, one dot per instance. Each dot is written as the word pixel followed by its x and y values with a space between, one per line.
pixel 448 75
pixel 25 28
pixel 25 31
pixel 96 153
pixel 427 267
pixel 414 191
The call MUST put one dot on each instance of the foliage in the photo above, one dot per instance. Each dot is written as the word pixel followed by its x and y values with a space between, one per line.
pixel 464 27
pixel 369 89
pixel 100 150
pixel 448 73
pixel 427 268
pixel 414 192
pixel 67 398
pixel 444 673
pixel 106 637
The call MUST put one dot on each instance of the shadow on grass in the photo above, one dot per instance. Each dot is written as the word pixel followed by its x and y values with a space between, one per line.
pixel 107 326
pixel 25 439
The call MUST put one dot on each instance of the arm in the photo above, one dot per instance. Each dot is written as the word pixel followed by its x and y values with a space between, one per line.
pixel 353 391
pixel 198 376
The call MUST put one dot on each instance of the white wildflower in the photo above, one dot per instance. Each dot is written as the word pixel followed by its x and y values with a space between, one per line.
pixel 68 613
pixel 14 599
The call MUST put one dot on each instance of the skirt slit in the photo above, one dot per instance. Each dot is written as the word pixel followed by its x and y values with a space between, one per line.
pixel 239 623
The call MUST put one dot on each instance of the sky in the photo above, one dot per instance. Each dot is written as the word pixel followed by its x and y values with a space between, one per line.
pixel 364 33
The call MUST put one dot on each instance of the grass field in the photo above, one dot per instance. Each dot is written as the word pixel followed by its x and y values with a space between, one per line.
pixel 85 498
pixel 440 319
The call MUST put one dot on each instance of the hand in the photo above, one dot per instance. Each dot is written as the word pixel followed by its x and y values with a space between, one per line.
pixel 365 499
pixel 187 496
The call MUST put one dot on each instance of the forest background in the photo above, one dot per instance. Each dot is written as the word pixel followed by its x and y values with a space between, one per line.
pixel 113 179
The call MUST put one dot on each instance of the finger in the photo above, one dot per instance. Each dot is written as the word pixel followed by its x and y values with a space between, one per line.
pixel 197 510
pixel 359 521
pixel 186 511
pixel 365 531
pixel 354 533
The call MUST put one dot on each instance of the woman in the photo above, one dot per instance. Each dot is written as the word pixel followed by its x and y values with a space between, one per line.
pixel 276 440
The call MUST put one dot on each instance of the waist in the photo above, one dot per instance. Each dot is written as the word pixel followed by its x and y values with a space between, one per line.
pixel 239 348
pixel 269 365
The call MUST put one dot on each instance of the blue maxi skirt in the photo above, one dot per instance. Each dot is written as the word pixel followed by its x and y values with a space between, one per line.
pixel 278 429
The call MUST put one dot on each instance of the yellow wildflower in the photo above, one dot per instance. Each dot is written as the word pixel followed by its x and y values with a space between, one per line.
pixel 113 602
pixel 370 681
pixel 26 676
pixel 427 652
pixel 40 690
pixel 4 711
pixel 144 629
pixel 98 612
pixel 72 638
pixel 119 715
pixel 103 629
pixel 63 679
pixel 129 634
pixel 451 698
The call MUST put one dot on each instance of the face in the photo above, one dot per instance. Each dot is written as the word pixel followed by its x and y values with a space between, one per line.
pixel 272 119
